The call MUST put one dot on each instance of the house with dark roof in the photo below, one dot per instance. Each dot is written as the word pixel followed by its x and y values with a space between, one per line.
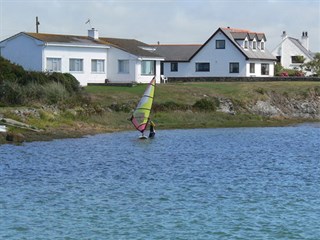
pixel 292 52
pixel 91 59
pixel 229 52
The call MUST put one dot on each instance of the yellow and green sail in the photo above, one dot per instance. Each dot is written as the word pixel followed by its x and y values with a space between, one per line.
pixel 140 116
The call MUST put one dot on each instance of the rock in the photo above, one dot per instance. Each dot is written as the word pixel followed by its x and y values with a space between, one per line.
pixel 264 108
pixel 226 106
pixel 15 137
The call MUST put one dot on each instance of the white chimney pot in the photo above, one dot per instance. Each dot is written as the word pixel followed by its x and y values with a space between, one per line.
pixel 93 33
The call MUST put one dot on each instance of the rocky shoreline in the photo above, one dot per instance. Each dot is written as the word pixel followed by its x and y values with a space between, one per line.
pixel 271 106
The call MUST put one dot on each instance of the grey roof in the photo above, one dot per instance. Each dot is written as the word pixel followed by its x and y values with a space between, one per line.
pixel 132 46
pixel 184 53
pixel 298 44
pixel 248 53
pixel 176 52
pixel 68 39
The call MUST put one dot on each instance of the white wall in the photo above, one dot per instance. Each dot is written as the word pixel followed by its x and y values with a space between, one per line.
pixel 286 50
pixel 114 55
pixel 134 75
pixel 23 50
pixel 257 72
pixel 87 54
pixel 219 60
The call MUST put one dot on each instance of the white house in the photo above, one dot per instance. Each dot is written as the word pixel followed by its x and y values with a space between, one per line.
pixel 91 59
pixel 228 52
pixel 291 52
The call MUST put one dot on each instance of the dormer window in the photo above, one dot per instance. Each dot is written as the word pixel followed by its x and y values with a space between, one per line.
pixel 262 45
pixel 246 44
pixel 254 45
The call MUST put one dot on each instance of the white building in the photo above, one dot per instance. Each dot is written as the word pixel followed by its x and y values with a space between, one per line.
pixel 227 53
pixel 91 59
pixel 291 52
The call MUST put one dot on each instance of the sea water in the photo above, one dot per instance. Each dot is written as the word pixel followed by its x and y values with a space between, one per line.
pixel 237 183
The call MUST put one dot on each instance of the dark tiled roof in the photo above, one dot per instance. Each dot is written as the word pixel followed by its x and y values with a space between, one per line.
pixel 129 45
pixel 176 52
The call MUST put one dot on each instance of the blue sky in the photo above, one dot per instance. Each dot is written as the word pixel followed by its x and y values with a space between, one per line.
pixel 166 21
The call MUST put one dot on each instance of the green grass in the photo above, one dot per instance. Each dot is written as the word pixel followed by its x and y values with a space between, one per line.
pixel 189 93
pixel 95 116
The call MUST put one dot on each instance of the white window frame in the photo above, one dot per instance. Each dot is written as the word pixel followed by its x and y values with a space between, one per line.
pixel 147 67
pixel 266 71
pixel 252 66
pixel 123 66
pixel 98 65
pixel 254 45
pixel 76 65
pixel 246 44
pixel 55 64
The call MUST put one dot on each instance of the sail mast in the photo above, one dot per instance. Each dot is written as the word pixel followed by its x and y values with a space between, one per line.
pixel 140 116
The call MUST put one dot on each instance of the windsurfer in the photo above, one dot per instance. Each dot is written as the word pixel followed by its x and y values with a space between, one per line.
pixel 152 130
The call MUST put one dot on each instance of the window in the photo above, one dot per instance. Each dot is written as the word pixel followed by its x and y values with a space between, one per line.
pixel 234 67
pixel 147 67
pixel 254 45
pixel 123 66
pixel 174 67
pixel 262 45
pixel 220 44
pixel 54 64
pixel 97 66
pixel 297 59
pixel 245 44
pixel 202 67
pixel 264 69
pixel 75 65
pixel 252 68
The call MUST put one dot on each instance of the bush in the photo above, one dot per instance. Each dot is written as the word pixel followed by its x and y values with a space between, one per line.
pixel 11 93
pixel 205 104
pixel 67 80
pixel 169 106
pixel 55 92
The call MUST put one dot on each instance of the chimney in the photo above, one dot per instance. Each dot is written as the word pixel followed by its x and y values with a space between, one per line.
pixel 284 35
pixel 305 40
pixel 93 33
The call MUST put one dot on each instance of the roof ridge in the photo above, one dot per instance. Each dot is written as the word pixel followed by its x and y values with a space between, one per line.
pixel 241 30
pixel 177 44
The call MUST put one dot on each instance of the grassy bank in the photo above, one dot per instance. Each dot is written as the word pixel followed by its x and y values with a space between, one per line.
pixel 107 108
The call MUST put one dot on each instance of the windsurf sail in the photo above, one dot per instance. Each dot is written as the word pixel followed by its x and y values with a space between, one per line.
pixel 140 116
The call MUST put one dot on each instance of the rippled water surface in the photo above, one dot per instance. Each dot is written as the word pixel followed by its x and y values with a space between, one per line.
pixel 241 183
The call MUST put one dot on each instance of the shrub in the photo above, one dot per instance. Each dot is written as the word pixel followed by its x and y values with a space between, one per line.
pixel 69 81
pixel 11 93
pixel 169 106
pixel 54 92
pixel 205 104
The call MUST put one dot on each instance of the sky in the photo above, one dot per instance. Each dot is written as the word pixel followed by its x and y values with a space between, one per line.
pixel 164 21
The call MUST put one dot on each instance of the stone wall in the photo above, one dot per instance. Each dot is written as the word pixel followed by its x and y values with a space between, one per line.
pixel 241 79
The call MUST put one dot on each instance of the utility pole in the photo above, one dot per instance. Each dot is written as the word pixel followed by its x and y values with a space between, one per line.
pixel 37 25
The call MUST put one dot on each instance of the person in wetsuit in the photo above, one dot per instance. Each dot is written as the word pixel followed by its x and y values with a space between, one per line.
pixel 152 130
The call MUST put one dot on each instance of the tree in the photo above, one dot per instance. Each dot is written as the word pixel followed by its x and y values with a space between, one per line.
pixel 314 65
